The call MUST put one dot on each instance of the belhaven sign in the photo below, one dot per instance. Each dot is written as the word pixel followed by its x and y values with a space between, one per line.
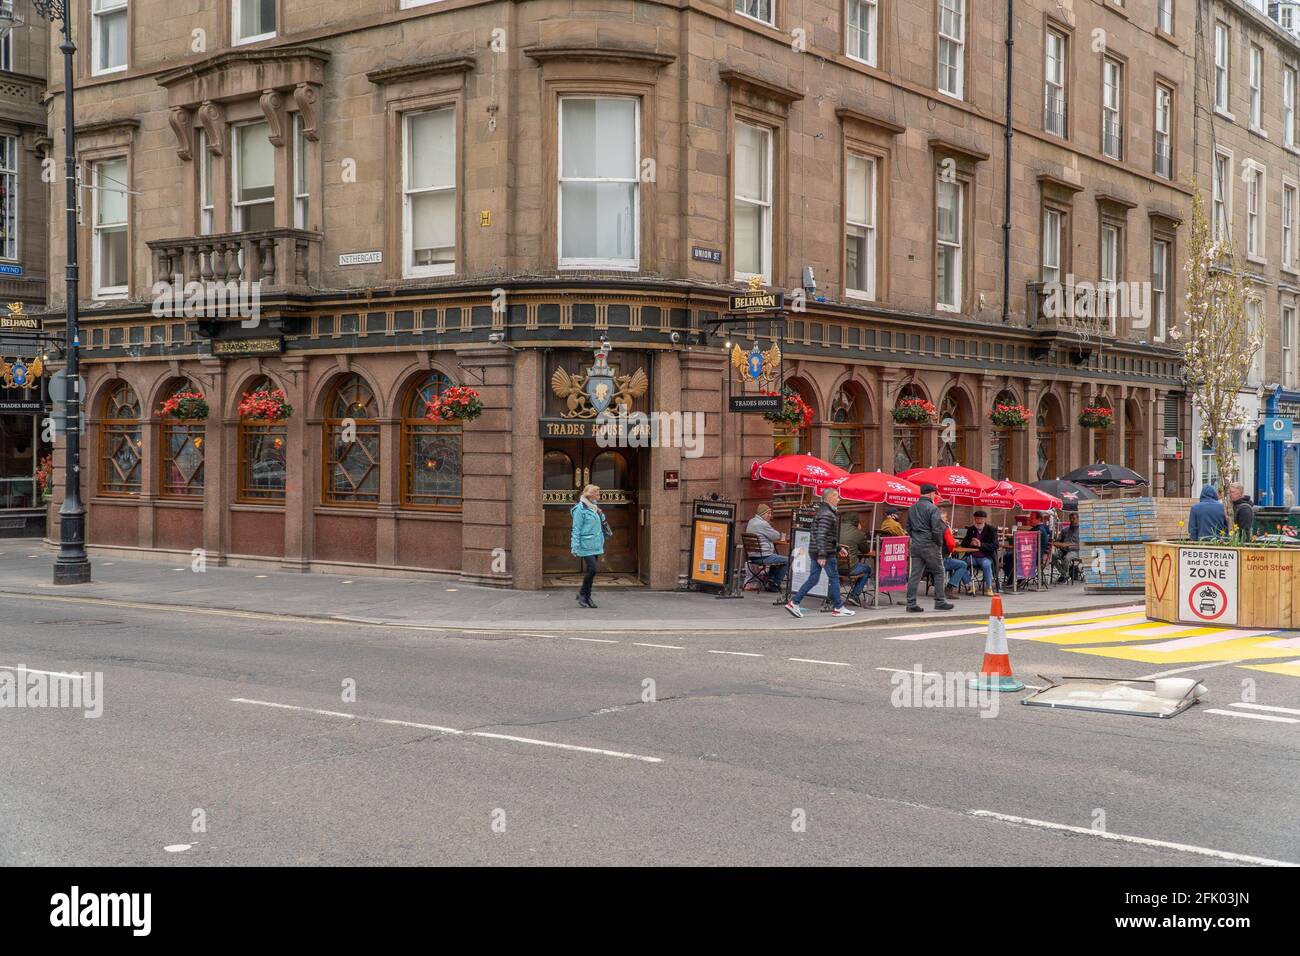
pixel 753 302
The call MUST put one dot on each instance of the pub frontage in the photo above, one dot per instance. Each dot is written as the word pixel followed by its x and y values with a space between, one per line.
pixel 354 478
pixel 25 447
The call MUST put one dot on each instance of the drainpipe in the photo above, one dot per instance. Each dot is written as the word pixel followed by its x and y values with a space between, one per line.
pixel 1006 199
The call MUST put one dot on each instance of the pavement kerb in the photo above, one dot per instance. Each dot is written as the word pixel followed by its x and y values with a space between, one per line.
pixel 776 624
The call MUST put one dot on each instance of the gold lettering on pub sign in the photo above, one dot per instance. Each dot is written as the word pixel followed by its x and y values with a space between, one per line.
pixel 246 346
pixel 760 302
pixel 26 322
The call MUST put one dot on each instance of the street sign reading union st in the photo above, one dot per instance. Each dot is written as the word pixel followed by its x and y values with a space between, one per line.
pixel 751 302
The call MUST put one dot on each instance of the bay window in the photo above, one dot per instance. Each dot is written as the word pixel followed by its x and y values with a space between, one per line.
pixel 1053 222
pixel 253 180
pixel 301 189
pixel 599 197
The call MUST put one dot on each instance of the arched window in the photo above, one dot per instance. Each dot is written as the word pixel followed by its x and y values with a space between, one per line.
pixel 1000 448
pixel 182 449
pixel 1049 420
pixel 846 429
pixel 952 429
pixel 261 454
pixel 351 443
pixel 432 476
pixel 909 441
pixel 1100 439
pixel 120 445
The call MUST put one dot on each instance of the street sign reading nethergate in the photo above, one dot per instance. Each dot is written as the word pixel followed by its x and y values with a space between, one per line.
pixel 754 302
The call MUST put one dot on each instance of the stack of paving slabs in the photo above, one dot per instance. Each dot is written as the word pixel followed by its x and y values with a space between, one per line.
pixel 1112 532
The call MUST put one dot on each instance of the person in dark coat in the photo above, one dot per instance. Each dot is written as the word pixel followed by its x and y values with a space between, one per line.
pixel 1243 511
pixel 984 536
pixel 823 551
pixel 1207 519
pixel 925 526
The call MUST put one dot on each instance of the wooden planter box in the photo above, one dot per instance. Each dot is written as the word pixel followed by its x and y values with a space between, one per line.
pixel 1223 586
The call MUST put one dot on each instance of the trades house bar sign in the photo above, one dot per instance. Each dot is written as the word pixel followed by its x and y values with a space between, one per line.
pixel 594 401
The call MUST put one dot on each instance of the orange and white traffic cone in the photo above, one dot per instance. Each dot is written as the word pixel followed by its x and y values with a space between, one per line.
pixel 995 672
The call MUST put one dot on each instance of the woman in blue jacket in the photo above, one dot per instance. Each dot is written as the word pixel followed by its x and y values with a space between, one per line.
pixel 587 540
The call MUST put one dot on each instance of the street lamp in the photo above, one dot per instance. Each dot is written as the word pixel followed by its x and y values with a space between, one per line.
pixel 72 566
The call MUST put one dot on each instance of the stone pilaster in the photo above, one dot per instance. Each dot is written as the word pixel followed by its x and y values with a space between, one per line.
pixel 489 465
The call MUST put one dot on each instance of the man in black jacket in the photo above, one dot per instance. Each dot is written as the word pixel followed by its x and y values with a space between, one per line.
pixel 824 550
pixel 925 527
pixel 984 536
pixel 1243 511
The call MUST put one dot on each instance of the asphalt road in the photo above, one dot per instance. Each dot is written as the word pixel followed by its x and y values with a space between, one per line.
pixel 467 748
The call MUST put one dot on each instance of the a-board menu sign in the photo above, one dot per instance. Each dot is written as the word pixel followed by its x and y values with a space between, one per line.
pixel 1207 585
pixel 800 559
pixel 711 530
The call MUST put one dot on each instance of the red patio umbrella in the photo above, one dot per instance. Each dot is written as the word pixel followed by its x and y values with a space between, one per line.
pixel 1013 494
pixel 880 488
pixel 952 481
pixel 806 470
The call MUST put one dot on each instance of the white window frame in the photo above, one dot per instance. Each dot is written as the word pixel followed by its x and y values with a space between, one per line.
pixel 958 244
pixel 301 174
pixel 954 43
pixel 1288 327
pixel 7 41
pixel 1163 134
pixel 207 188
pixel 409 269
pixel 755 5
pixel 10 221
pixel 1222 67
pixel 1256 212
pixel 412 4
pixel 1161 259
pixel 870 9
pixel 1221 202
pixel 235 17
pixel 767 208
pixel 619 265
pixel 1108 270
pixel 1165 16
pixel 1056 84
pixel 100 10
pixel 872 232
pixel 98 231
pixel 1256 88
pixel 1053 226
pixel 1288 106
pixel 1290 195
pixel 1112 106
pixel 236 207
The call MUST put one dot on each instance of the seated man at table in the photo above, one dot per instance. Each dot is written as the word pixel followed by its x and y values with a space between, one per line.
pixel 1069 534
pixel 857 543
pixel 984 536
pixel 768 537
pixel 891 526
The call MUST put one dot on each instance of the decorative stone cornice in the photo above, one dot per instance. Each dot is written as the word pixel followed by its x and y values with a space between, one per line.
pixel 600 54
pixel 438 66
pixel 866 119
pixel 759 86
pixel 1049 181
pixel 110 125
pixel 243 73
pixel 971 154
pixel 213 117
pixel 1116 202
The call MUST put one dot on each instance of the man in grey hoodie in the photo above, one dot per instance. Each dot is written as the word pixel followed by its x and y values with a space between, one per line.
pixel 925 541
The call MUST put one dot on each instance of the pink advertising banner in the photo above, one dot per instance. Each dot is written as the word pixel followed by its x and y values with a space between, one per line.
pixel 1027 554
pixel 893 564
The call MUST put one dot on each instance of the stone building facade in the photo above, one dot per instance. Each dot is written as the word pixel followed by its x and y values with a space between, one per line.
pixel 481 193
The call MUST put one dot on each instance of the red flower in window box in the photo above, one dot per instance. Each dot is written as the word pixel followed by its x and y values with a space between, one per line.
pixel 187 406
pixel 265 404
pixel 460 403
pixel 795 413
pixel 915 411
pixel 45 476
pixel 1010 416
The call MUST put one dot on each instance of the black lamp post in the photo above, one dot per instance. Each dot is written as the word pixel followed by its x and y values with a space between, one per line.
pixel 72 566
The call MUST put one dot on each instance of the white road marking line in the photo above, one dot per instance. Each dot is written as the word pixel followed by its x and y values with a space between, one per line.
pixel 1020 624
pixel 670 647
pixel 1268 707
pixel 1287 643
pixel 1237 713
pixel 591 640
pixel 809 660
pixel 736 653
pixel 451 730
pixel 1184 670
pixel 1124 838
pixel 551 743
pixel 29 670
